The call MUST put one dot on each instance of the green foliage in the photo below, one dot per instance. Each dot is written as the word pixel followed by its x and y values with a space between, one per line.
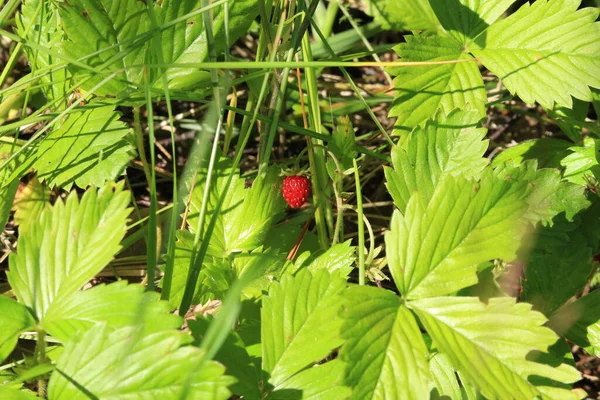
pixel 89 148
pixel 67 246
pixel 29 204
pixel 403 15
pixel 15 318
pixel 579 321
pixel 547 152
pixel 299 323
pixel 37 23
pixel 287 324
pixel 434 248
pixel 423 90
pixel 114 38
pixel 384 352
pixel 582 163
pixel 545 52
pixel 118 305
pixel 258 208
pixel 548 71
pixel 446 145
pixel 489 345
pixel 159 365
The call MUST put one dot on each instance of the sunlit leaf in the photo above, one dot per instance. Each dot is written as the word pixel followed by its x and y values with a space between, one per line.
pixel 67 246
pixel 126 364
pixel 29 204
pixel 89 148
pixel 385 356
pixel 435 248
pixel 445 145
pixel 118 305
pixel 14 319
pixel 320 382
pixel 490 345
pixel 545 52
pixel 403 15
pixel 423 90
pixel 300 323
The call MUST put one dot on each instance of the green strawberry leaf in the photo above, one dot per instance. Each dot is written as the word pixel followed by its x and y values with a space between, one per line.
pixel 116 39
pixel 38 24
pixel 446 384
pixel 550 196
pixel 29 204
pixel 89 148
pixel 446 145
pixel 118 305
pixel 245 216
pixel 247 226
pixel 383 344
pixel 491 344
pixel 423 90
pixel 545 52
pixel 403 15
pixel 320 382
pixel 186 42
pixel 69 244
pixel 553 276
pixel 579 322
pixel 338 257
pixel 110 37
pixel 10 393
pixel 14 319
pixel 435 248
pixel 299 322
pixel 570 120
pixel 582 163
pixel 465 20
pixel 127 364
pixel 234 356
pixel 8 189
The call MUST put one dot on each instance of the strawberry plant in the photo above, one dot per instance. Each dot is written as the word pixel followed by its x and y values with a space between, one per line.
pixel 442 241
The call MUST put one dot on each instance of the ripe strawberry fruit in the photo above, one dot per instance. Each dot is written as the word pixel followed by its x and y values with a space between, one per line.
pixel 295 190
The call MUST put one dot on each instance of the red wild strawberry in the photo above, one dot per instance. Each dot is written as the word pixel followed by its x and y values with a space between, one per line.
pixel 295 190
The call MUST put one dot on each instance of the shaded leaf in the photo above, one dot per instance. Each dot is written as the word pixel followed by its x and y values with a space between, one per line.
pixel 554 276
pixel 465 20
pixel 234 356
pixel 579 322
